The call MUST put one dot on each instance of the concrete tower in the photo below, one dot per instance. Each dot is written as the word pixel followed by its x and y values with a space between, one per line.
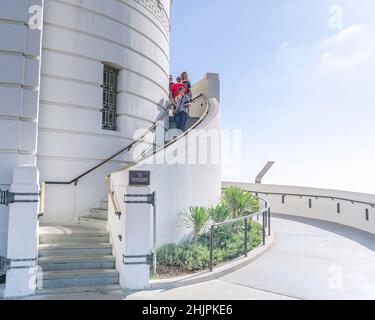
pixel 80 40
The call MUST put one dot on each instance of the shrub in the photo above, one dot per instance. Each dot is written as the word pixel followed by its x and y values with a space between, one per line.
pixel 228 241
pixel 239 202
pixel 196 218
pixel 196 256
pixel 220 213
pixel 188 256
pixel 169 255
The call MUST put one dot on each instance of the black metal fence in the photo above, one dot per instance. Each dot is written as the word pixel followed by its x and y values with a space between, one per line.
pixel 264 213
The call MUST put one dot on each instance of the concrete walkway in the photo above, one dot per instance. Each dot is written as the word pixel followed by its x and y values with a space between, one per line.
pixel 314 260
pixel 309 260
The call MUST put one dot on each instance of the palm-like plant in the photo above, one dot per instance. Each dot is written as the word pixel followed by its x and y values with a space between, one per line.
pixel 239 202
pixel 220 213
pixel 197 218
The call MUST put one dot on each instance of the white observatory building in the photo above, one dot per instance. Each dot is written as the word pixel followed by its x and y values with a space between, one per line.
pixel 84 101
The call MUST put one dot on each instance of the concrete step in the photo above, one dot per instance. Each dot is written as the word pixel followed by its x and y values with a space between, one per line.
pixel 98 237
pixel 101 290
pixel 103 204
pixel 99 213
pixel 189 123
pixel 77 278
pixel 96 222
pixel 74 248
pixel 82 262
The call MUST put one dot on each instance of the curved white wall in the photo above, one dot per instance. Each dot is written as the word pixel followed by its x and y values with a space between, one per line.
pixel 351 214
pixel 79 35
pixel 184 181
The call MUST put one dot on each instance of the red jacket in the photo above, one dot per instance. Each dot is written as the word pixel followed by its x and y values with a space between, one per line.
pixel 176 88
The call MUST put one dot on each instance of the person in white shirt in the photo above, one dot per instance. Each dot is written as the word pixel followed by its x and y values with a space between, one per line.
pixel 181 109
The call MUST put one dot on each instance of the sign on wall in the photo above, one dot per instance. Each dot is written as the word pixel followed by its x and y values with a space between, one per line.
pixel 139 178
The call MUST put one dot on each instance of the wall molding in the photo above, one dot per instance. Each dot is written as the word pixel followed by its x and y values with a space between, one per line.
pixel 156 8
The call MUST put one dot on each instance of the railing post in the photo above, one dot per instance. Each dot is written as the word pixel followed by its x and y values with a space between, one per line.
pixel 211 248
pixel 245 222
pixel 269 221
pixel 264 228
pixel 154 235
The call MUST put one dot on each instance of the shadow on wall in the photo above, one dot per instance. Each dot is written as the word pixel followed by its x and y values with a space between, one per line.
pixel 362 237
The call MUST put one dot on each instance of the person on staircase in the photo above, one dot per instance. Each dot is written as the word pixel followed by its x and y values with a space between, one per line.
pixel 187 83
pixel 175 89
pixel 181 109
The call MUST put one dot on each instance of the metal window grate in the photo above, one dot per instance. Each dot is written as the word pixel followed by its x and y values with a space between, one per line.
pixel 109 111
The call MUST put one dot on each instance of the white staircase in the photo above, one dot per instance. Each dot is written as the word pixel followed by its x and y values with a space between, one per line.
pixel 77 256
pixel 98 216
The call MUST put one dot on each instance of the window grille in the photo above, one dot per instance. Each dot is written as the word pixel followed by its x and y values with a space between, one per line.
pixel 109 111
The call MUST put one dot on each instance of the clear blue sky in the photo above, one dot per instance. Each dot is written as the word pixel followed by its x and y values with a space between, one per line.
pixel 302 92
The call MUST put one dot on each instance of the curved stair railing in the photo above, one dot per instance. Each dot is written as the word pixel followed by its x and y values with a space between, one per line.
pixel 127 148
pixel 143 157
pixel 118 153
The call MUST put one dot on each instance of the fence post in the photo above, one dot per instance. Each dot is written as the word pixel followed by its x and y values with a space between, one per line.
pixel 264 228
pixel 269 221
pixel 266 219
pixel 245 221
pixel 211 248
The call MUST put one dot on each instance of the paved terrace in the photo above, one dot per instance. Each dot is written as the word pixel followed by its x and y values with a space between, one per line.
pixel 309 260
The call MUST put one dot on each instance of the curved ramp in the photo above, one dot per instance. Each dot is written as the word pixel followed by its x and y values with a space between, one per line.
pixel 313 259
pixel 310 260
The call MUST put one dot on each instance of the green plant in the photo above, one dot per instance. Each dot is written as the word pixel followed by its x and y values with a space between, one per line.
pixel 240 202
pixel 196 256
pixel 169 255
pixel 232 241
pixel 220 213
pixel 197 218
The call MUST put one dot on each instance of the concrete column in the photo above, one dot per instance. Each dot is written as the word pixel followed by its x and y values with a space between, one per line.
pixel 20 57
pixel 213 86
pixel 138 240
pixel 22 246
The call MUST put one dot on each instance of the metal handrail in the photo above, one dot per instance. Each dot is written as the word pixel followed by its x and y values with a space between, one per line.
pixel 127 148
pixel 265 212
pixel 111 192
pixel 112 197
pixel 42 204
pixel 167 145
pixel 313 196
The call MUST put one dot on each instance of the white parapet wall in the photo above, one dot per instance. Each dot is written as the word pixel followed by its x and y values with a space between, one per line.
pixel 187 173
pixel 347 208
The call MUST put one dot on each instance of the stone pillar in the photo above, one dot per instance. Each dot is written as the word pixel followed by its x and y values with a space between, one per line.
pixel 20 58
pixel 22 248
pixel 138 240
